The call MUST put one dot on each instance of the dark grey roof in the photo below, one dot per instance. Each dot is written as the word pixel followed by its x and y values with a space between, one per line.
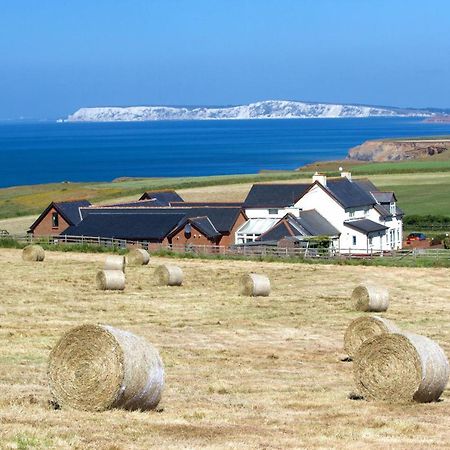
pixel 206 204
pixel 203 224
pixel 277 232
pixel 365 226
pixel 274 195
pixel 366 185
pixel 384 197
pixel 135 204
pixel 163 198
pixel 223 219
pixel 348 193
pixel 70 211
pixel 385 211
pixel 310 223
pixel 146 227
pixel 315 224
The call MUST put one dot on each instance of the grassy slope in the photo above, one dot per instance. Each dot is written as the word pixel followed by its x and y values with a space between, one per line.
pixel 240 372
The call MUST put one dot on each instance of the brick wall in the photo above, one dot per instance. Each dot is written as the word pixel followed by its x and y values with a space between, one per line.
pixel 44 227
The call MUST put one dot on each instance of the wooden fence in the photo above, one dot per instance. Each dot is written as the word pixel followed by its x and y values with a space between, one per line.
pixel 242 250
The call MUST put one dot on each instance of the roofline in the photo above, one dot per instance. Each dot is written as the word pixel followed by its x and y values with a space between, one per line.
pixel 326 190
pixel 186 220
pixel 55 205
pixel 383 228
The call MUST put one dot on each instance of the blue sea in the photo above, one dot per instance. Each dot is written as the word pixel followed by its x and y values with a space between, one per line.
pixel 32 153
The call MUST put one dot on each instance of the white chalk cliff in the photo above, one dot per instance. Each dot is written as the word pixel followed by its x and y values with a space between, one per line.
pixel 270 109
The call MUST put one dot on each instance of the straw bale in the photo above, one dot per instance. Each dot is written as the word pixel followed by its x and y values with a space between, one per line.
pixel 370 297
pixel 169 275
pixel 110 280
pixel 255 285
pixel 98 367
pixel 33 253
pixel 401 368
pixel 138 257
pixel 363 328
pixel 115 262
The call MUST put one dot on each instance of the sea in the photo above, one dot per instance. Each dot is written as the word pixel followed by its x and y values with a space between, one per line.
pixel 44 152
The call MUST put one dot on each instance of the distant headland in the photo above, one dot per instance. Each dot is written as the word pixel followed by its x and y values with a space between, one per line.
pixel 269 109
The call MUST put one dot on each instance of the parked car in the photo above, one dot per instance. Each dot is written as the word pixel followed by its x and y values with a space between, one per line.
pixel 416 237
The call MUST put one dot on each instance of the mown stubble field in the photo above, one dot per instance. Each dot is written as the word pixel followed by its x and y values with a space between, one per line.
pixel 240 372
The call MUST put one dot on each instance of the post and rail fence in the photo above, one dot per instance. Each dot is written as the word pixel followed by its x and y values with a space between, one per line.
pixel 240 250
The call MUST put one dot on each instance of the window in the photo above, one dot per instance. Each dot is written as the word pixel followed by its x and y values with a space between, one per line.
pixel 55 220
pixel 273 211
pixel 392 208
pixel 354 240
pixel 351 213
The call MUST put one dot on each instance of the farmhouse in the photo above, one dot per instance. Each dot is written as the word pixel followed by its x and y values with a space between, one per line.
pixel 354 216
pixel 357 216
pixel 57 217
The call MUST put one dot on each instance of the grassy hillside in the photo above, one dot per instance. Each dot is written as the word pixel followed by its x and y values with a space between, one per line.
pixel 240 372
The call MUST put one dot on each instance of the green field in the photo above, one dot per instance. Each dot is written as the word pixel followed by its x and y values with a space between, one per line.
pixel 422 187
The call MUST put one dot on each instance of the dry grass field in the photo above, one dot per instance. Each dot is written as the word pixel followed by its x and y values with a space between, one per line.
pixel 240 372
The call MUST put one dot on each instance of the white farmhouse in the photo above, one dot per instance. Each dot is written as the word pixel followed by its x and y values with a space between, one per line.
pixel 356 215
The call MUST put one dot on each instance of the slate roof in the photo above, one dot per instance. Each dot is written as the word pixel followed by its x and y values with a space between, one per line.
pixel 274 195
pixel 315 224
pixel 223 219
pixel 202 224
pixel 163 198
pixel 365 226
pixel 348 193
pixel 385 211
pixel 136 204
pixel 384 197
pixel 207 204
pixel 131 226
pixel 310 223
pixel 69 211
pixel 366 185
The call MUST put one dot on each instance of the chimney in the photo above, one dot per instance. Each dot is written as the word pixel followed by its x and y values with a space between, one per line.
pixel 347 175
pixel 320 177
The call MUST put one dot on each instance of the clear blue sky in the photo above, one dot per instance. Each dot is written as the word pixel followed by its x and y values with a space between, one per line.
pixel 59 55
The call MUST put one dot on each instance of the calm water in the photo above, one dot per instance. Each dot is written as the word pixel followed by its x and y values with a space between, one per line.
pixel 52 152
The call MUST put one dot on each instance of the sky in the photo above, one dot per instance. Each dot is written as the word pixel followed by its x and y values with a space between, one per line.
pixel 59 55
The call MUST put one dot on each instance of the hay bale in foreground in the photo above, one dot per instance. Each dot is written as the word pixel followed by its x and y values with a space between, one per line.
pixel 168 275
pixel 98 367
pixel 110 280
pixel 255 285
pixel 115 262
pixel 401 368
pixel 363 328
pixel 138 257
pixel 370 298
pixel 33 253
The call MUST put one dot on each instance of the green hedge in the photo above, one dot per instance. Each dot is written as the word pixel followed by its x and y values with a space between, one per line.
pixel 428 222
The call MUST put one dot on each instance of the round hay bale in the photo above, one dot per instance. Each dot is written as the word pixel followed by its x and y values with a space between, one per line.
pixel 138 257
pixel 110 280
pixel 255 285
pixel 363 328
pixel 168 275
pixel 33 253
pixel 98 367
pixel 115 262
pixel 401 368
pixel 370 297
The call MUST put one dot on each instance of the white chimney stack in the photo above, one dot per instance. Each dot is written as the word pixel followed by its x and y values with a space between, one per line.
pixel 347 175
pixel 321 178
